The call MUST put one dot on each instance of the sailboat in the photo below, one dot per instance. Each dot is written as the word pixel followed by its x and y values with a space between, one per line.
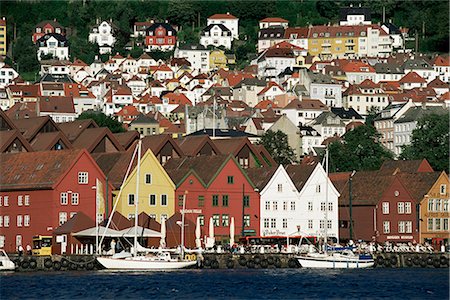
pixel 162 260
pixel 346 259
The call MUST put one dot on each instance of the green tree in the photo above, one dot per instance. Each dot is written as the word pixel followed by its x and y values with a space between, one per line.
pixel 276 143
pixel 371 115
pixel 359 150
pixel 103 120
pixel 430 140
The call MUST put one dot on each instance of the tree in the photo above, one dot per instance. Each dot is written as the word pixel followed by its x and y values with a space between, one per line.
pixel 371 115
pixel 430 140
pixel 276 143
pixel 103 120
pixel 359 150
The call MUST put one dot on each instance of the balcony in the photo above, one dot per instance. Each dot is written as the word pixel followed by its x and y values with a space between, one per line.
pixel 349 42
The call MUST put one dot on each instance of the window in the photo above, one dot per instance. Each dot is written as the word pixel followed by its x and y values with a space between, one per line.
pixel 445 224
pixel 130 199
pixel 215 200
pixel 310 206
pixel 273 223
pixel 430 224
pixel 318 188
pixel 322 224
pixel 148 178
pixel 284 223
pixel 75 198
pixel 401 207
pixel 83 178
pixel 266 222
pixel 267 205
pixel 163 200
pixel 225 220
pixel 285 204
pixel 1 200
pixel 216 220
pixel 408 226
pixel 407 207
pixel 443 189
pixel 225 200
pixel 19 221
pixel 330 206
pixel 385 208
pixel 437 205
pixel 27 200
pixel 310 224
pixel 275 205
pixel 386 227
pixel 201 220
pixel 64 199
pixel 401 227
pixel 322 206
pixel 280 188
pixel 246 220
pixel 62 218
pixel 292 205
pixel 201 201
pixel 430 204
pixel 152 200
pixel 230 179
pixel 329 224
pixel 437 223
pixel 246 201
pixel 6 201
pixel 19 200
pixel 445 205
pixel 180 200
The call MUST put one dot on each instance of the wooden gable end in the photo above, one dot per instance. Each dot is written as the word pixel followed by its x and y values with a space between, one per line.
pixel 16 146
pixel 105 145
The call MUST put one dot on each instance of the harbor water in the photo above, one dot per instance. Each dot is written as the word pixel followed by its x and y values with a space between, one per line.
pixel 405 283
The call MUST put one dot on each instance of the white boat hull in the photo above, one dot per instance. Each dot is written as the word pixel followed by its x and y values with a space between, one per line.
pixel 5 263
pixel 333 262
pixel 142 264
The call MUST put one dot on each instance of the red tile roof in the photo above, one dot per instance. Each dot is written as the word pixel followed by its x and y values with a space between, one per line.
pixel 412 77
pixel 265 104
pixel 274 20
pixel 222 16
pixel 306 104
pixel 8 137
pixel 270 85
pixel 301 32
pixel 442 61
pixel 358 66
pixel 56 104
pixel 175 98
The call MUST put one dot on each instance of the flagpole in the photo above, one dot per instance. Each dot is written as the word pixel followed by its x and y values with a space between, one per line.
pixel 96 216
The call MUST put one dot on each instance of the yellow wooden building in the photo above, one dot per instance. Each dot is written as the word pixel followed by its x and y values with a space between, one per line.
pixel 3 46
pixel 218 60
pixel 156 190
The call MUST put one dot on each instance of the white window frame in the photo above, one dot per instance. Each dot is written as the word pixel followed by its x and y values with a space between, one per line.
pixel 27 200
pixel 385 208
pixel 64 198
pixel 310 206
pixel 401 208
pixel 19 220
pixel 5 221
pixel 150 199
pixel 266 223
pixel 280 187
pixel 75 199
pixel 1 221
pixel 167 199
pixel 285 223
pixel 19 200
pixel 292 205
pixel 386 227
pixel 408 226
pixel 148 175
pixel 443 189
pixel 401 227
pixel 5 200
pixel 62 217
pixel 310 224
pixel 83 177
pixel 267 206
pixel 408 208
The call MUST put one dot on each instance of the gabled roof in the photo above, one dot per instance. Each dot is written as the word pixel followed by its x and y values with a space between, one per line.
pixel 192 145
pixel 438 84
pixel 31 126
pixel 306 104
pixel 177 98
pixel 35 170
pixel 73 129
pixel 7 137
pixel 222 27
pixel 91 137
pixel 442 61
pixel 412 77
pixel 357 67
pixel 300 174
pixel 127 138
pixel 222 17
pixel 5 122
pixel 346 114
pixel 56 104
pixel 406 166
pixel 166 26
pixel 114 165
pixel 270 85
pixel 273 20
pixel 260 176
pixel 46 141
pixel 157 142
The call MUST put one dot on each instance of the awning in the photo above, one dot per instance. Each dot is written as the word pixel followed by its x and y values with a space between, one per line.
pixel 141 232
pixel 108 232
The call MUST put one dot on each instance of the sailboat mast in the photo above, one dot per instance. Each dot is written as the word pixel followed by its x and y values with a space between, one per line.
pixel 326 201
pixel 136 200
pixel 182 225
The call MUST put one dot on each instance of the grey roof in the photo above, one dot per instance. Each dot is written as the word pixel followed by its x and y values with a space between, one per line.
pixel 321 78
pixel 346 114
pixel 143 119
pixel 223 133
pixel 251 81
pixel 417 64
pixel 221 26
pixel 344 12
pixel 56 78
pixel 192 47
pixel 266 33
pixel 415 113
pixel 308 131
pixel 392 28
pixel 62 41
pixel 388 108
pixel 388 68
pixel 324 117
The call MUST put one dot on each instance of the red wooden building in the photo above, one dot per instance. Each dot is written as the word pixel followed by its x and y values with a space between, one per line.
pixel 45 27
pixel 160 36
pixel 40 191
pixel 216 186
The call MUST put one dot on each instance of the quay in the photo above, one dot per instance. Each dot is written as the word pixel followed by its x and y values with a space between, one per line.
pixel 230 261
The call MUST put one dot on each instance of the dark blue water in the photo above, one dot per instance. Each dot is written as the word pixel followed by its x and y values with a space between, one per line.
pixel 235 284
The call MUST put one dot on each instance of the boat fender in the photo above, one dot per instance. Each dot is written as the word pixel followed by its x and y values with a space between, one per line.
pixel 193 257
pixel 292 263
pixel 33 264
pixel 387 262
pixel 73 266
pixel 444 261
pixel 257 259
pixel 264 263
pixel 423 262
pixel 408 262
pixel 214 264
pixel 64 263
pixel 230 264
pixel 436 262
pixel 277 262
pixel 416 260
pixel 56 265
pixel 25 264
pixel 394 261
pixel 89 266
pixel 48 263
pixel 430 260
pixel 242 261
pixel 270 260
pixel 207 262
pixel 380 260
pixel 250 264
pixel 16 262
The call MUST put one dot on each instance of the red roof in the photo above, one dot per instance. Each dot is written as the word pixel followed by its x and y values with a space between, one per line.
pixel 357 66
pixel 273 20
pixel 77 90
pixel 123 91
pixel 175 98
pixel 367 83
pixel 150 99
pixel 301 32
pixel 412 77
pixel 286 45
pixel 234 78
pixel 2 22
pixel 270 85
pixel 265 104
pixel 442 61
pixel 445 96
pixel 222 16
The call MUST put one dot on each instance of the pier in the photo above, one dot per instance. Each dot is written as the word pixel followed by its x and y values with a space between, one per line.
pixel 230 261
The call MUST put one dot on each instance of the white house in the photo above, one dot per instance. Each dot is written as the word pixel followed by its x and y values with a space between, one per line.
pixel 309 138
pixel 364 97
pixel 303 111
pixel 322 87
pixel 216 35
pixel 441 66
pixel 197 55
pixel 297 36
pixel 355 16
pixel 7 75
pixel 53 44
pixel 102 34
pixel 273 61
pixel 273 22
pixel 228 20
pixel 318 201
pixel 270 91
pixel 268 37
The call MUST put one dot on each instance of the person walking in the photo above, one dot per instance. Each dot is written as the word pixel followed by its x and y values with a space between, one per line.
pixel 29 250
pixel 20 250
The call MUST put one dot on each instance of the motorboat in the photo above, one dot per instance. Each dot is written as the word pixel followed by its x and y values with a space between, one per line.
pixel 6 264
pixel 336 260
